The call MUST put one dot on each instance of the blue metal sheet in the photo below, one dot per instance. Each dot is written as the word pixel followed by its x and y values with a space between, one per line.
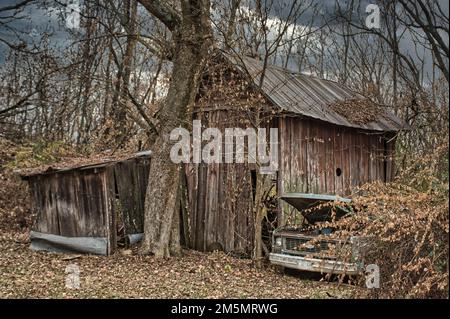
pixel 62 244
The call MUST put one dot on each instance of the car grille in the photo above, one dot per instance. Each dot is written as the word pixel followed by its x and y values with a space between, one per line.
pixel 303 245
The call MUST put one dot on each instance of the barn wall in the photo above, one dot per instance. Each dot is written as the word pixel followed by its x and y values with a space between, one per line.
pixel 312 151
pixel 220 196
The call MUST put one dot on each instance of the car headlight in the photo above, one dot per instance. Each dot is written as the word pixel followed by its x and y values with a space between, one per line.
pixel 278 241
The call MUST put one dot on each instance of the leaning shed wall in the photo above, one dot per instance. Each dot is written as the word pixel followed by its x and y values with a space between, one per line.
pixel 84 208
pixel 73 211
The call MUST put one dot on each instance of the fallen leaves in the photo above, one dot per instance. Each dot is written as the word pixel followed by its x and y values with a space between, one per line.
pixel 29 274
pixel 358 111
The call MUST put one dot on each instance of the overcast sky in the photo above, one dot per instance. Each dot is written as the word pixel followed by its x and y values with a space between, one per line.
pixel 35 19
pixel 47 16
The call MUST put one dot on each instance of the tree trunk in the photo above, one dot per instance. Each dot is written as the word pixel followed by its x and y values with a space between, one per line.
pixel 263 183
pixel 192 37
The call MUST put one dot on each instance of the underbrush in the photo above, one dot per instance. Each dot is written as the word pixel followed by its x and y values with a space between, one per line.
pixel 405 226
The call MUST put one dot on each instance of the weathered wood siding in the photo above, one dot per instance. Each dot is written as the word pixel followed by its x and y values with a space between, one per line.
pixel 83 202
pixel 72 204
pixel 311 153
pixel 131 179
pixel 220 197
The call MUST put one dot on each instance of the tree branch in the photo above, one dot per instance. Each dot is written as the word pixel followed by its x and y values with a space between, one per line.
pixel 163 12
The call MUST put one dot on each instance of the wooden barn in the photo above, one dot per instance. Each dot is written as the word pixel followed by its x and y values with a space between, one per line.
pixel 89 208
pixel 330 141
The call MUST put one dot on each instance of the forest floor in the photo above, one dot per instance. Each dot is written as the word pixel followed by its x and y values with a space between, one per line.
pixel 29 274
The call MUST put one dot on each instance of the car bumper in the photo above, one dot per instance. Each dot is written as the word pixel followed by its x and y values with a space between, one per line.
pixel 314 264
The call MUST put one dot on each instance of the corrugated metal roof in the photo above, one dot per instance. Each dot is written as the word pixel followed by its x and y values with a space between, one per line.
pixel 310 96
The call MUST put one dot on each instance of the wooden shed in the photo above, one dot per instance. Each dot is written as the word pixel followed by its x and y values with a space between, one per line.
pixel 89 208
pixel 331 140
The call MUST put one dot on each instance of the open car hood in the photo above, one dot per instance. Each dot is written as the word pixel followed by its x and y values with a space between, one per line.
pixel 308 205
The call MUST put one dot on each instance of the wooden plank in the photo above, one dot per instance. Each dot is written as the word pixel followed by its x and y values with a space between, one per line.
pixel 304 155
pixel 358 161
pixel 222 191
pixel 192 187
pixel 346 161
pixel 141 175
pixel 38 204
pixel 70 204
pixel 329 149
pixel 70 207
pixel 287 154
pixel 321 158
pixel 248 214
pixel 315 158
pixel 95 214
pixel 238 206
pixel 365 158
pixel 132 179
pixel 373 159
pixel 351 159
pixel 282 170
pixel 310 156
pixel 126 188
pixel 211 208
pixel 46 213
pixel 295 175
pixel 230 207
pixel 390 148
pixel 300 156
pixel 243 210
pixel 338 181
pixel 109 205
pixel 200 213
pixel 380 154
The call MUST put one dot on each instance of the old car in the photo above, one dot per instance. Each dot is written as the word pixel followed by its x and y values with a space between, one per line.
pixel 310 248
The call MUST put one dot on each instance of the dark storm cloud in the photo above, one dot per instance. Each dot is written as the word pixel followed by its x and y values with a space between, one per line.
pixel 325 12
pixel 48 17
pixel 32 21
pixel 319 11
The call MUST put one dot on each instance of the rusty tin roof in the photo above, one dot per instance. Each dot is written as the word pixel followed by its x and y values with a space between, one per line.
pixel 309 96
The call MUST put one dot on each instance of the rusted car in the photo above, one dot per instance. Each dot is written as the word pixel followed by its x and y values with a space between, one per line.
pixel 310 248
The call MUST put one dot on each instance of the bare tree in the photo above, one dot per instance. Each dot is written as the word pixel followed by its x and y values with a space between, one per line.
pixel 192 36
pixel 429 17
